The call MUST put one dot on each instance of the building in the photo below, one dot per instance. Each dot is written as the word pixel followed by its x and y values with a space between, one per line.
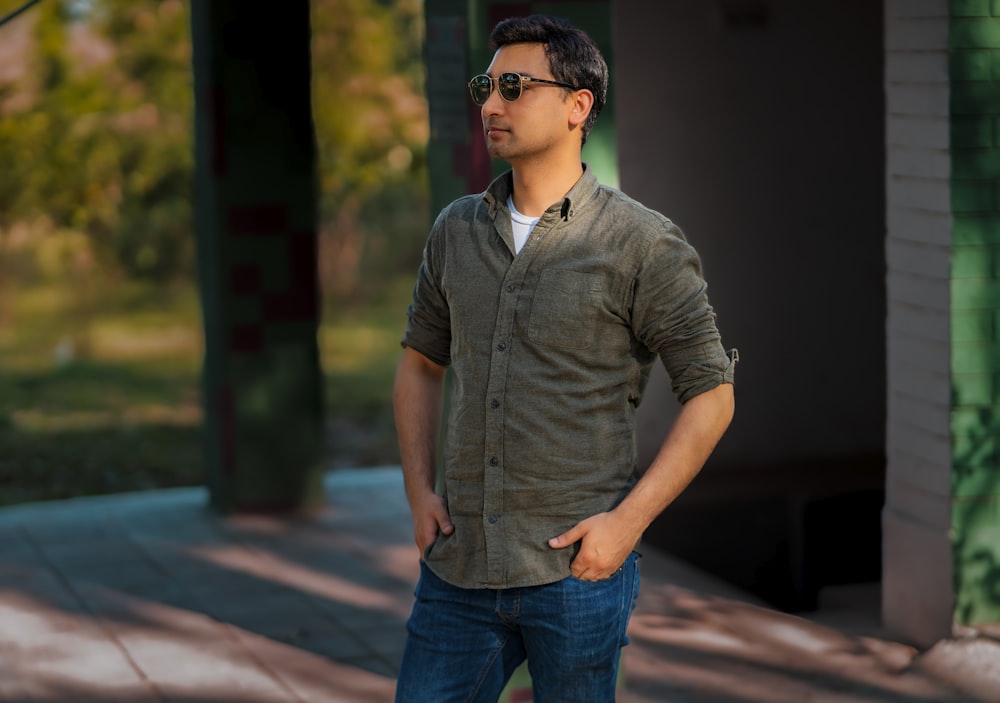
pixel 837 165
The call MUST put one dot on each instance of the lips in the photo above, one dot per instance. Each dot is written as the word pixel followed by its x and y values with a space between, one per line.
pixel 493 129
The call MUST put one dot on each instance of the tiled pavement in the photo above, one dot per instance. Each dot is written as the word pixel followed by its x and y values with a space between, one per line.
pixel 151 597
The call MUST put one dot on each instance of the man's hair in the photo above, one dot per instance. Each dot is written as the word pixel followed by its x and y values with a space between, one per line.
pixel 573 56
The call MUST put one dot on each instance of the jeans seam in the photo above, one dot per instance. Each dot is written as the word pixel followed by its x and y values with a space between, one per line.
pixel 486 667
pixel 628 590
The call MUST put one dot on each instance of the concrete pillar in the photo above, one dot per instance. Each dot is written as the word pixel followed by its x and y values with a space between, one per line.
pixel 256 230
pixel 917 562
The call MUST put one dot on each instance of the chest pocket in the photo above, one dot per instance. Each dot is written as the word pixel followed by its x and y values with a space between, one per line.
pixel 565 309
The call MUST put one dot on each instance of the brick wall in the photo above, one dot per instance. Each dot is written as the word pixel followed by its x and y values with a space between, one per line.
pixel 975 301
pixel 917 564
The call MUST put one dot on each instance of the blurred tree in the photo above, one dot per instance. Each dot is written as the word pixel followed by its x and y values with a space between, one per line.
pixel 100 141
pixel 371 128
pixel 152 121
pixel 96 136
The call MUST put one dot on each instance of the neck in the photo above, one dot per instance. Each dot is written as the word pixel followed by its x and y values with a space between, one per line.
pixel 538 185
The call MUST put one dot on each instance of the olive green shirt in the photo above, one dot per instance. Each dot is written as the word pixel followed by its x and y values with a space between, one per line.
pixel 550 351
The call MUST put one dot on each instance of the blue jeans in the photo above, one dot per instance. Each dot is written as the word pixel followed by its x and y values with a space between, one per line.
pixel 464 644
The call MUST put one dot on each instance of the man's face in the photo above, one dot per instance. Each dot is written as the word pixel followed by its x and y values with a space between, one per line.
pixel 534 123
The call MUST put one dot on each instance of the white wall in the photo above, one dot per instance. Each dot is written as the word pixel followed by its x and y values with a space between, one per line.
pixel 917 571
pixel 758 127
pixel 763 141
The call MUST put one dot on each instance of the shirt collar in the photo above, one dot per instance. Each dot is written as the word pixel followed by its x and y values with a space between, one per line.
pixel 503 187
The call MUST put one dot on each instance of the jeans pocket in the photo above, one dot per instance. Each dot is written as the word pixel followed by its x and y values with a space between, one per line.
pixel 630 593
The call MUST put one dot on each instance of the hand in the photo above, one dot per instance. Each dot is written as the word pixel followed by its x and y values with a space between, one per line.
pixel 430 516
pixel 605 539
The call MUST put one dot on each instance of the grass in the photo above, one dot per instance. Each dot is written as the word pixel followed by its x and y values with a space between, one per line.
pixel 360 347
pixel 99 390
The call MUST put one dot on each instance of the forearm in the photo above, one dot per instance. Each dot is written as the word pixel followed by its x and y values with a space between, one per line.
pixel 607 538
pixel 416 400
pixel 698 428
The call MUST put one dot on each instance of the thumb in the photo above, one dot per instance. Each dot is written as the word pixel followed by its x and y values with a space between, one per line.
pixel 444 522
pixel 571 536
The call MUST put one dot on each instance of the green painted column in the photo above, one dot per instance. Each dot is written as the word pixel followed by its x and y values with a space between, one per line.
pixel 974 40
pixel 256 233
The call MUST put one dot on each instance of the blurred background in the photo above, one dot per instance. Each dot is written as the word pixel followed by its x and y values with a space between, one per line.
pixel 842 195
pixel 101 340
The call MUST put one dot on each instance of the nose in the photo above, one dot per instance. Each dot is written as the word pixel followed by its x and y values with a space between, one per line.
pixel 493 104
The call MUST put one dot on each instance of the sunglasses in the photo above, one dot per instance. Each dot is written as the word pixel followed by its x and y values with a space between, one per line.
pixel 509 85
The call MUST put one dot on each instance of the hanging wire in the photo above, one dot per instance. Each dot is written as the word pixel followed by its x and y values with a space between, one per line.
pixel 18 11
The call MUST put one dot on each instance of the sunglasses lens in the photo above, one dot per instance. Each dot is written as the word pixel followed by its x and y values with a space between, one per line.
pixel 480 88
pixel 509 85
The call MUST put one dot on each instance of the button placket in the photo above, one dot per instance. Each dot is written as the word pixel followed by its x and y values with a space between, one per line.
pixel 503 345
pixel 495 394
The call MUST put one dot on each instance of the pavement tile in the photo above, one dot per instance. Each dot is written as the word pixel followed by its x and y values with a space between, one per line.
pixel 200 530
pixel 189 563
pixel 39 581
pixel 29 687
pixel 387 642
pixel 114 607
pixel 131 575
pixel 16 548
pixel 971 665
pixel 77 527
pixel 96 554
pixel 284 615
pixel 316 678
pixel 152 597
pixel 693 647
pixel 355 617
pixel 189 656
pixel 379 665
pixel 44 656
pixel 218 582
pixel 338 644
pixel 185 664
pixel 15 688
pixel 23 614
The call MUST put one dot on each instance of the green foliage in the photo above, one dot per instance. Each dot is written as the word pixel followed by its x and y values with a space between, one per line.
pixel 98 370
pixel 128 416
pixel 125 417
pixel 96 135
pixel 371 132
pixel 370 114
pixel 100 142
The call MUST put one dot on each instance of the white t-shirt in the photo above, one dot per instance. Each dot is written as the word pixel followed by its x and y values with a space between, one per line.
pixel 520 224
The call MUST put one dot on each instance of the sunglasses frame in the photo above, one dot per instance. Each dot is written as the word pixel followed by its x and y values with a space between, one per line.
pixel 494 83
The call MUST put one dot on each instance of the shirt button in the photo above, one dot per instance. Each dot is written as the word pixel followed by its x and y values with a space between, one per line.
pixel 492 519
pixel 494 461
pixel 501 346
pixel 510 287
pixel 494 404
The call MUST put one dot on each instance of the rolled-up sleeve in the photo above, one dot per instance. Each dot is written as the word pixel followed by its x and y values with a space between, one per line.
pixel 672 317
pixel 428 328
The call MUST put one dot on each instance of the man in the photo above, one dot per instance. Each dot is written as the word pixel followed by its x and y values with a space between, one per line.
pixel 550 297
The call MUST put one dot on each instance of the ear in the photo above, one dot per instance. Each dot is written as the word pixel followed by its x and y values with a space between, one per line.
pixel 583 101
